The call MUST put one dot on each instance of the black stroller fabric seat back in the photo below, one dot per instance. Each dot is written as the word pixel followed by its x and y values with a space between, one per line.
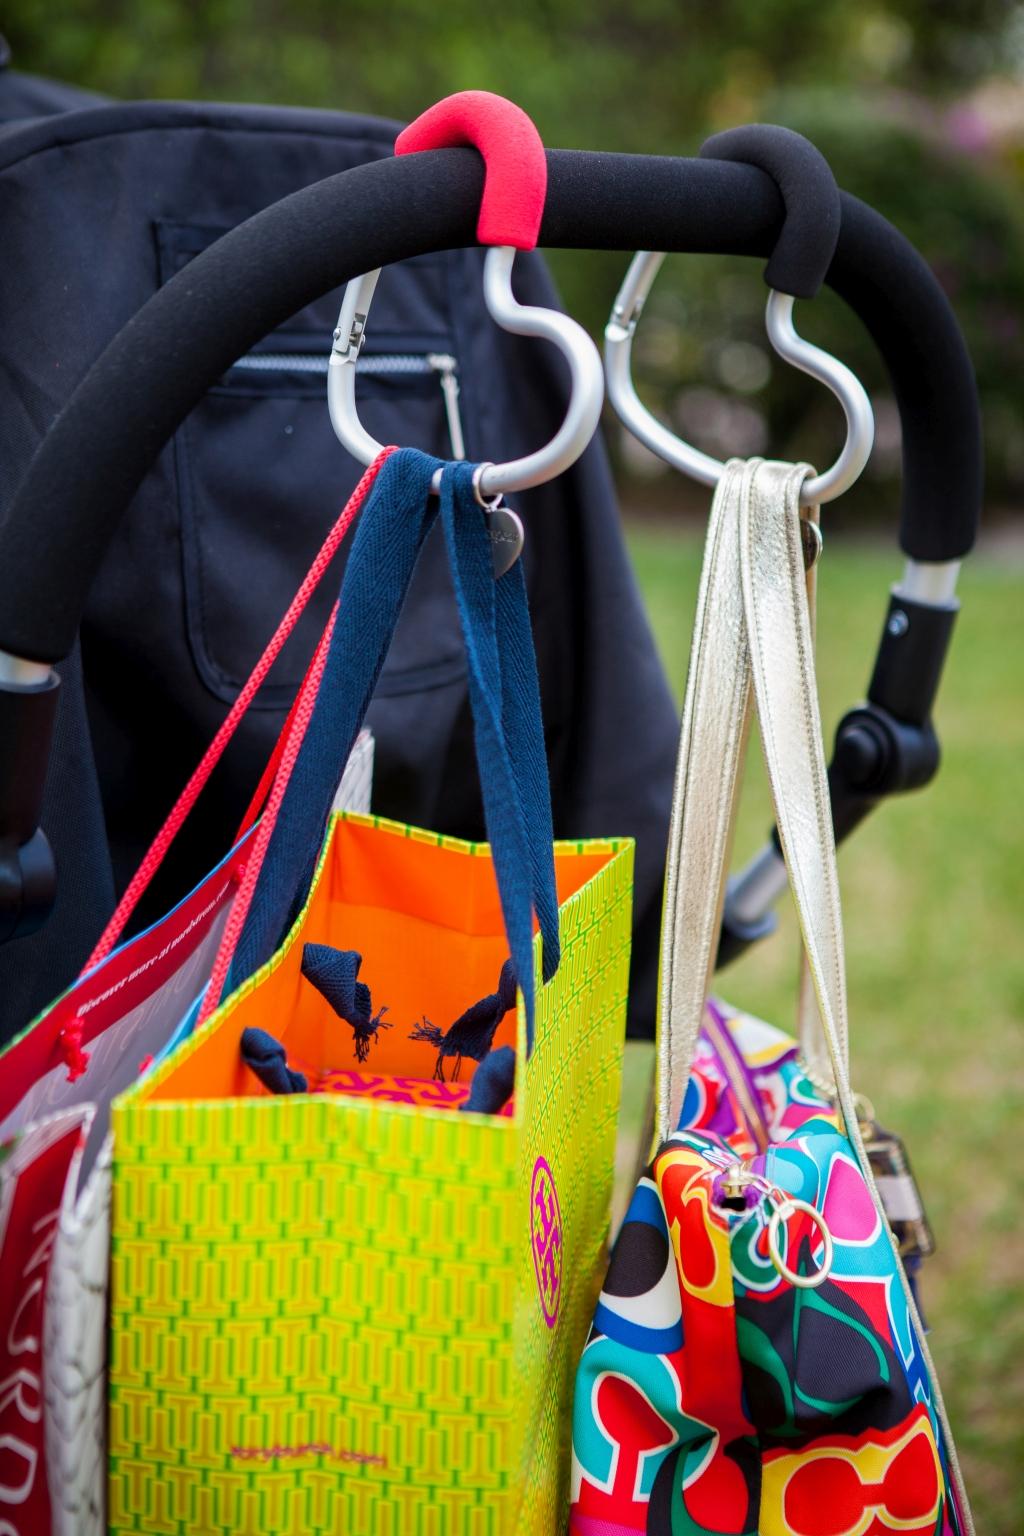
pixel 99 207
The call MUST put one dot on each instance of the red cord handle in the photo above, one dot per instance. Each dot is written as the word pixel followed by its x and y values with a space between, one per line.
pixel 190 794
pixel 290 746
pixel 516 167
pixel 271 786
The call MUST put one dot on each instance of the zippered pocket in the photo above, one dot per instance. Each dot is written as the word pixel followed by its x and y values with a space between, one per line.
pixel 385 365
pixel 261 477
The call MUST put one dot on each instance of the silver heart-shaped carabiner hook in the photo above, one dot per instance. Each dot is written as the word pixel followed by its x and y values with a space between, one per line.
pixel 828 370
pixel 586 389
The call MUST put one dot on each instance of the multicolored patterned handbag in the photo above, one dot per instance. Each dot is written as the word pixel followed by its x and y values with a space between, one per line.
pixel 747 1085
pixel 756 1362
pixel 751 1084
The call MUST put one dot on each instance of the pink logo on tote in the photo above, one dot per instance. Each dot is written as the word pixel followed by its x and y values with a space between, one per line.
pixel 546 1233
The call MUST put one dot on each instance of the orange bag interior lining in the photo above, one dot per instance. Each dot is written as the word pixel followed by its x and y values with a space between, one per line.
pixel 426 920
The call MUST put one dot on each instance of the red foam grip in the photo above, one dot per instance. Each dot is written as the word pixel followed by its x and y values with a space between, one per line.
pixel 516 168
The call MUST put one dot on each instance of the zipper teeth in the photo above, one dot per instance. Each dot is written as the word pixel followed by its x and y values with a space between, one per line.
pixel 442 365
pixel 737 1082
pixel 316 362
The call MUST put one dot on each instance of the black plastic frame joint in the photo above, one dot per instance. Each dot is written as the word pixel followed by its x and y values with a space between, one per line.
pixel 28 873
pixel 876 755
pixel 735 936
pixel 28 885
pixel 911 655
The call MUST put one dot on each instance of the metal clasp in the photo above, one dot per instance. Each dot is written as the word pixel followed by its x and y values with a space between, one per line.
pixel 354 344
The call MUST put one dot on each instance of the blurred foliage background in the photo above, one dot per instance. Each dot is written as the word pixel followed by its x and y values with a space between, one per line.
pixel 918 104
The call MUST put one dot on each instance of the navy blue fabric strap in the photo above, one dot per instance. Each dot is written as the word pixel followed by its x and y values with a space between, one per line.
pixel 393 524
pixel 507 694
pixel 524 736
pixel 504 696
pixel 499 694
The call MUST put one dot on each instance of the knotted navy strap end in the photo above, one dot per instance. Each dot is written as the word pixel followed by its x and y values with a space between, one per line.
pixel 266 1057
pixel 334 973
pixel 473 1032
pixel 493 1082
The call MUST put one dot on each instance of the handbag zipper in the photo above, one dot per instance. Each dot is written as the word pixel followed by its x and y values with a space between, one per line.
pixel 381 365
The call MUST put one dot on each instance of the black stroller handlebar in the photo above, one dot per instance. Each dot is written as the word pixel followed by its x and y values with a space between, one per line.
pixel 192 330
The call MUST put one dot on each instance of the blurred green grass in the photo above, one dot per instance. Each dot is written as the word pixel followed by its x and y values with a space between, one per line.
pixel 933 893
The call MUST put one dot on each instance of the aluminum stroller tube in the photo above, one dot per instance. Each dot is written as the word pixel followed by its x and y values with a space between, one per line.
pixel 931 582
pixel 17 672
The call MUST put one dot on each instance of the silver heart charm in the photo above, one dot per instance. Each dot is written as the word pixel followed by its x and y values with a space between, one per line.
pixel 505 531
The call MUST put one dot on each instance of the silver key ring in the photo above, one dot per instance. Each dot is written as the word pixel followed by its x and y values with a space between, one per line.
pixel 789 1206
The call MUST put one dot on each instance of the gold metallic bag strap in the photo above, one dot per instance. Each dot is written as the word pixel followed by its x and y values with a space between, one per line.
pixel 715 717
pixel 781 649
pixel 714 728
pixel 810 1035
pixel 782 666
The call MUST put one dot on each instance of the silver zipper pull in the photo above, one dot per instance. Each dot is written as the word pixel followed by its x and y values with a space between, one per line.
pixel 447 368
